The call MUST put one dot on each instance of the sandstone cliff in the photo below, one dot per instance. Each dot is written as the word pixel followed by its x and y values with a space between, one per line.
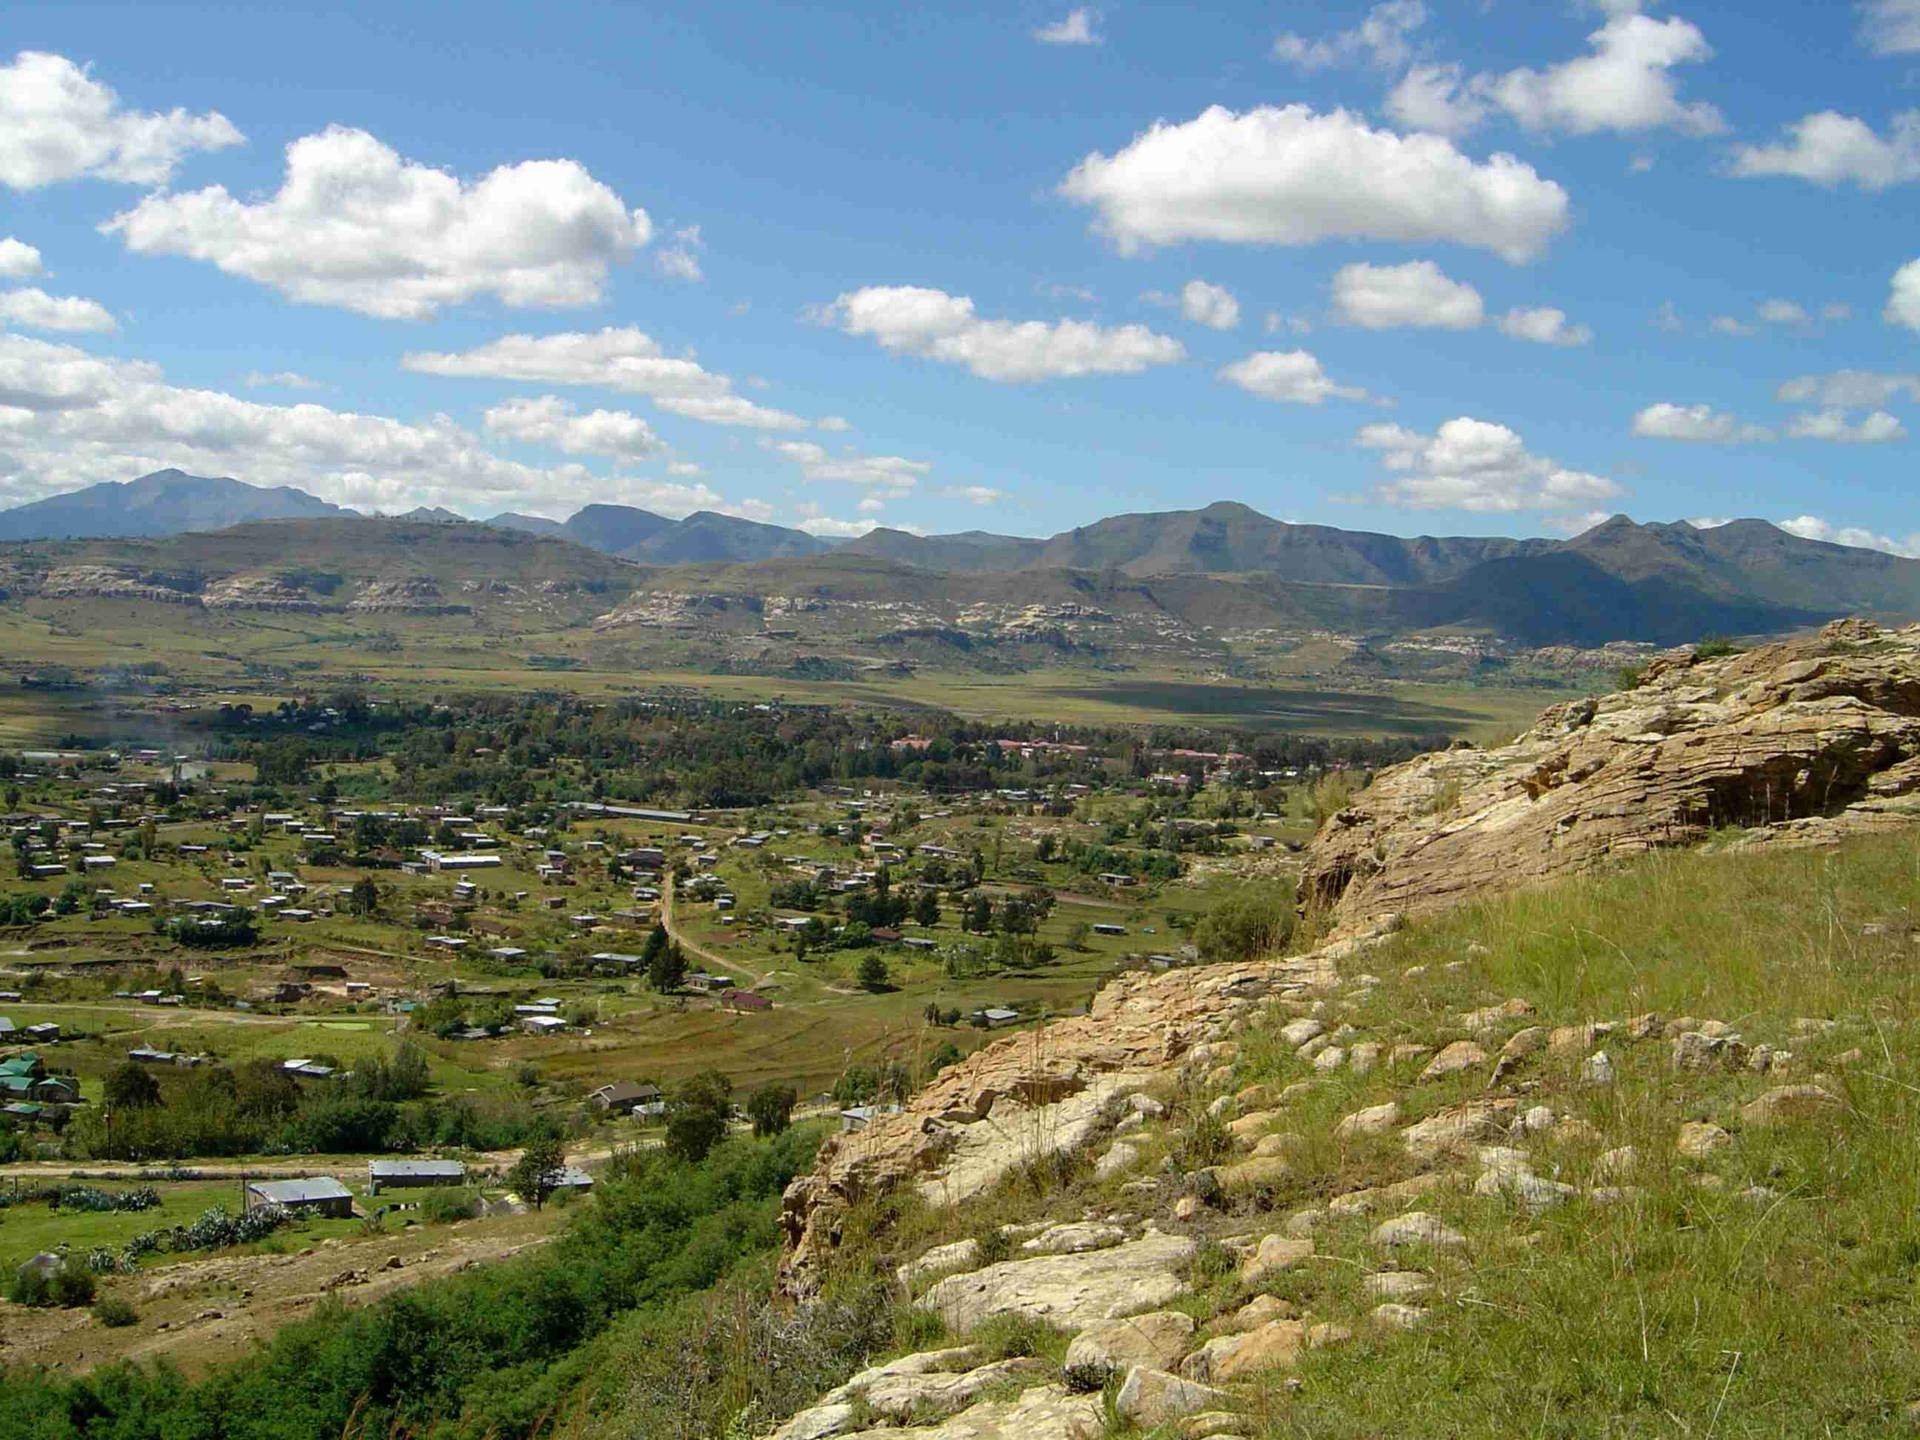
pixel 1803 741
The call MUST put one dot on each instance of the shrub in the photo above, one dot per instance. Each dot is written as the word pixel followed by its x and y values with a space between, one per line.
pixel 1330 795
pixel 1254 921
pixel 994 1245
pixel 30 1287
pixel 115 1314
pixel 443 1207
pixel 71 1287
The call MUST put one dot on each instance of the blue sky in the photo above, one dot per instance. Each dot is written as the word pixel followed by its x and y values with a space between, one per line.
pixel 1415 266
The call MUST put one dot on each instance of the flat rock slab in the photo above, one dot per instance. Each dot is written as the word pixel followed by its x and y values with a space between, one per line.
pixel 1071 1292
pixel 1046 1412
pixel 1152 1398
pixel 1156 1340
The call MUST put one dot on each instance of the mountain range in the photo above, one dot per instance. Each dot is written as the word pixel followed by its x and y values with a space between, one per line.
pixel 1225 569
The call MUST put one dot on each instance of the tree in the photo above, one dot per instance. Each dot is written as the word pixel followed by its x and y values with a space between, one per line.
pixel 667 968
pixel 1250 923
pixel 364 897
pixel 857 1085
pixel 697 1115
pixel 771 1110
pixel 537 1171
pixel 926 908
pixel 873 971
pixel 131 1086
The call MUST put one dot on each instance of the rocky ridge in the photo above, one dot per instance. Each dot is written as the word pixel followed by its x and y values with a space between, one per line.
pixel 1802 742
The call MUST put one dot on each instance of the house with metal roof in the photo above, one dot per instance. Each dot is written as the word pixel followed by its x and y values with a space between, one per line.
pixel 413 1174
pixel 321 1195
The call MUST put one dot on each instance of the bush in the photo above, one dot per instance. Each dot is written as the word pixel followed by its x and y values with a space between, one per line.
pixel 115 1314
pixel 444 1207
pixel 30 1287
pixel 1252 922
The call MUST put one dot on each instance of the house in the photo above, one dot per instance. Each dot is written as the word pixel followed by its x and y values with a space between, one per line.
pixel 994 1017
pixel 322 1195
pixel 712 984
pixel 542 1024
pixel 413 1174
pixel 438 861
pixel 745 1000
pixel 1109 929
pixel 858 1117
pixel 1110 879
pixel 570 1177
pixel 45 1033
pixel 307 1070
pixel 628 1097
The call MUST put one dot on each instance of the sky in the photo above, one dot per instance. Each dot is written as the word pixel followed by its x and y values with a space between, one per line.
pixel 1421 266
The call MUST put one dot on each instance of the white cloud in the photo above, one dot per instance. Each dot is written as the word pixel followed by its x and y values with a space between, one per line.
pixel 18 260
pixel 829 529
pixel 1436 98
pixel 58 123
pixel 68 418
pixel 729 410
pixel 280 380
pixel 1625 85
pixel 616 358
pixel 1812 527
pixel 1417 294
pixel 1544 326
pixel 684 468
pixel 916 320
pixel 1879 428
pixel 1475 465
pixel 549 420
pixel 1380 38
pixel 1836 310
pixel 1832 149
pixel 1903 303
pixel 679 261
pixel 1731 325
pixel 1291 375
pixel 1784 312
pixel 1891 27
pixel 1710 522
pixel 1696 422
pixel 356 225
pixel 975 494
pixel 37 310
pixel 1289 176
pixel 1667 317
pixel 1292 324
pixel 1080 27
pixel 1209 305
pixel 834 424
pixel 1849 389
pixel 893 472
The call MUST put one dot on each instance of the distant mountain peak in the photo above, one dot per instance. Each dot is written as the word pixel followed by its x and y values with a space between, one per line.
pixel 164 502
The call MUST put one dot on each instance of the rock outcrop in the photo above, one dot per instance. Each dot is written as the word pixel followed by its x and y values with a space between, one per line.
pixel 1805 741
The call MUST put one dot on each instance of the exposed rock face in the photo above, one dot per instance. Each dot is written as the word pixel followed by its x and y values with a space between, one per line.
pixel 260 592
pixel 1070 1292
pixel 1803 741
pixel 1027 1096
pixel 73 582
pixel 418 595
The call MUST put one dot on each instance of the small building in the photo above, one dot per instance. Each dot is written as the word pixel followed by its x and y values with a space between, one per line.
pixel 571 1178
pixel 45 1033
pixel 628 1097
pixel 745 1000
pixel 322 1195
pixel 993 1017
pixel 413 1174
pixel 1109 929
pixel 712 984
pixel 542 1024
pixel 437 861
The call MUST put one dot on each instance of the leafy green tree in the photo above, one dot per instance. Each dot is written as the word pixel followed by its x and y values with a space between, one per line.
pixel 1252 922
pixel 537 1171
pixel 364 897
pixel 873 971
pixel 667 968
pixel 926 909
pixel 697 1115
pixel 771 1110
pixel 857 1085
pixel 131 1086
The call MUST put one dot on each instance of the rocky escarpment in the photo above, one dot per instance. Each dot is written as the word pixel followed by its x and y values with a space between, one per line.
pixel 1804 741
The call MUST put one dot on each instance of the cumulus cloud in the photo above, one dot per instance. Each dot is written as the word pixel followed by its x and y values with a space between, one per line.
pixel 1732 325
pixel 1849 389
pixel 69 418
pixel 1625 85
pixel 18 260
pixel 1812 527
pixel 1479 466
pixel 684 468
pixel 1294 376
pixel 1080 27
pixel 1417 294
pixel 1832 149
pixel 1903 304
pixel 916 320
pixel 834 424
pixel 1288 176
pixel 549 420
pixel 1436 98
pixel 280 380
pixel 680 260
pixel 892 472
pixel 1544 326
pixel 1784 312
pixel 615 358
pixel 1891 27
pixel 830 529
pixel 1209 305
pixel 58 123
pixel 1876 429
pixel 356 225
pixel 1696 422
pixel 975 494
pixel 1382 38
pixel 37 310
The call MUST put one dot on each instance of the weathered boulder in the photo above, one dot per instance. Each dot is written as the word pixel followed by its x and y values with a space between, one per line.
pixel 1046 1412
pixel 1157 1340
pixel 1786 1104
pixel 1274 1254
pixel 1074 1239
pixel 1803 742
pixel 1374 1120
pixel 1071 1292
pixel 1152 1398
pixel 1699 1139
pixel 1460 1055
pixel 1272 1346
pixel 1417 1227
